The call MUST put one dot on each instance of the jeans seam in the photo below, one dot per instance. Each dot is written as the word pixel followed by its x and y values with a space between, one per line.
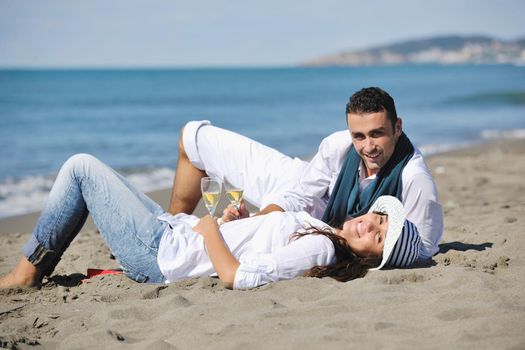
pixel 52 229
pixel 57 218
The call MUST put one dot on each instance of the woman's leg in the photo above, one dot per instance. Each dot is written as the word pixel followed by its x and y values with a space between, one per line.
pixel 125 217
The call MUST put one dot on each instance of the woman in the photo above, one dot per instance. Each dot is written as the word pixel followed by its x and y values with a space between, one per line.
pixel 153 246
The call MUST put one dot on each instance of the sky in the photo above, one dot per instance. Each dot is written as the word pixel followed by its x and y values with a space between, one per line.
pixel 214 33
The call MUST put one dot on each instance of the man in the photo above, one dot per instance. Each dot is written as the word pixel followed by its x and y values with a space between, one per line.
pixel 343 179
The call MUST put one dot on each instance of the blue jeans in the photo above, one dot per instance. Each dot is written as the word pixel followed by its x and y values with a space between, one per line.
pixel 126 218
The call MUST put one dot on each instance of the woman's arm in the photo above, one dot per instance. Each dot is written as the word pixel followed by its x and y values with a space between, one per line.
pixel 220 255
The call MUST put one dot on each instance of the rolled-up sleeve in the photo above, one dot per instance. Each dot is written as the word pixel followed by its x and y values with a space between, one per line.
pixel 285 263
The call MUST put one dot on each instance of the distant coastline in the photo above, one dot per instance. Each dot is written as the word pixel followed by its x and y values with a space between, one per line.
pixel 450 49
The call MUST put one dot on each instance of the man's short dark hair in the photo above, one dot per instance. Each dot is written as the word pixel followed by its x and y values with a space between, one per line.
pixel 372 100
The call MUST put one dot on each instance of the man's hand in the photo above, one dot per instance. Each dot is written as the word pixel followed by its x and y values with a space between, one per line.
pixel 231 214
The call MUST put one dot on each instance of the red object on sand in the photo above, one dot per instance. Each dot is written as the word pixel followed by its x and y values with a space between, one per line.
pixel 98 272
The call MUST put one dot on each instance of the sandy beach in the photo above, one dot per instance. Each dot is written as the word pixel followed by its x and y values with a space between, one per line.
pixel 469 296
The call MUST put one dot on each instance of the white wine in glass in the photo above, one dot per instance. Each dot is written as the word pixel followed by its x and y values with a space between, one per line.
pixel 234 188
pixel 211 192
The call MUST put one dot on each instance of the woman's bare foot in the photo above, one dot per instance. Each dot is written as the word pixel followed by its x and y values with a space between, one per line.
pixel 24 274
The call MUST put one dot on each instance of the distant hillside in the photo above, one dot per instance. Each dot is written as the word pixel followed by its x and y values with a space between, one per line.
pixel 441 50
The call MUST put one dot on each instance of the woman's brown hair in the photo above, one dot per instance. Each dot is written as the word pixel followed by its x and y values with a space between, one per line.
pixel 348 265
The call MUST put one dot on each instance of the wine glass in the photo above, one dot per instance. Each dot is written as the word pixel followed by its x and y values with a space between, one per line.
pixel 234 188
pixel 211 192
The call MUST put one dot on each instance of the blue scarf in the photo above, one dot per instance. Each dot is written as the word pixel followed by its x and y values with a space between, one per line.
pixel 346 199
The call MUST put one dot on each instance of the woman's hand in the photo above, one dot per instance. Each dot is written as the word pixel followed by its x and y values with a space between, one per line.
pixel 231 214
pixel 207 225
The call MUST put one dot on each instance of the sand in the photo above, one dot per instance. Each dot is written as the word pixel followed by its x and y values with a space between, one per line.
pixel 469 296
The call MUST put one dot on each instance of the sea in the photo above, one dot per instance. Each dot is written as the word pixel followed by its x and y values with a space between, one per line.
pixel 131 118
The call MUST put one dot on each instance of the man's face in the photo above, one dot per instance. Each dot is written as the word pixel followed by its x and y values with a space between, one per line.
pixel 374 138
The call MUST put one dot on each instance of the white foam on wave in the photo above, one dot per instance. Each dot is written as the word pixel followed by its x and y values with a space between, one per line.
pixel 28 194
pixel 152 180
pixel 503 134
pixel 485 135
pixel 21 196
pixel 430 149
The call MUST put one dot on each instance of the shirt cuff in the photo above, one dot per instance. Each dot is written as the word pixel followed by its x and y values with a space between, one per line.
pixel 251 272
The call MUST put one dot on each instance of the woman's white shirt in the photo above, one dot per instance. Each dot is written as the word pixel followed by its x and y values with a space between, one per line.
pixel 261 244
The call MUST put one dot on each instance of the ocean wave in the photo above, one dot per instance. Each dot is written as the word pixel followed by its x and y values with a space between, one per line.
pixel 489 98
pixel 25 195
pixel 28 194
pixel 428 149
pixel 485 135
pixel 503 134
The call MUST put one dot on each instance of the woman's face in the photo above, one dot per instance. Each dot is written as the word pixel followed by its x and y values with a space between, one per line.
pixel 366 234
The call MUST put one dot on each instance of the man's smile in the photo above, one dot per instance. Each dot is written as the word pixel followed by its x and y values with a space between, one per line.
pixel 372 156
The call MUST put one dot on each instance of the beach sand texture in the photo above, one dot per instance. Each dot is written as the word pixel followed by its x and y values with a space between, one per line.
pixel 469 296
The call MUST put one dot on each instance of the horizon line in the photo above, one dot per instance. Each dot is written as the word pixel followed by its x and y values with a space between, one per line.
pixel 233 67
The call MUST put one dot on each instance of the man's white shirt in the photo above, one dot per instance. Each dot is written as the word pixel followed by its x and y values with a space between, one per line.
pixel 419 195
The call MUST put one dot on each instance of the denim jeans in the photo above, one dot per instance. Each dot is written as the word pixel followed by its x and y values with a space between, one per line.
pixel 126 218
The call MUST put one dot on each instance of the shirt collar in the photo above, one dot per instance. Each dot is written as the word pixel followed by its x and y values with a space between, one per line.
pixel 362 173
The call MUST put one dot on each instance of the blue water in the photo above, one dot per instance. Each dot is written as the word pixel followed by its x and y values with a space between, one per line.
pixel 131 118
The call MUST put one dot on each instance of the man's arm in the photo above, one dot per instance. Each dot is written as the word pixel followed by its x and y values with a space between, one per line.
pixel 422 206
pixel 268 209
pixel 313 186
pixel 310 189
